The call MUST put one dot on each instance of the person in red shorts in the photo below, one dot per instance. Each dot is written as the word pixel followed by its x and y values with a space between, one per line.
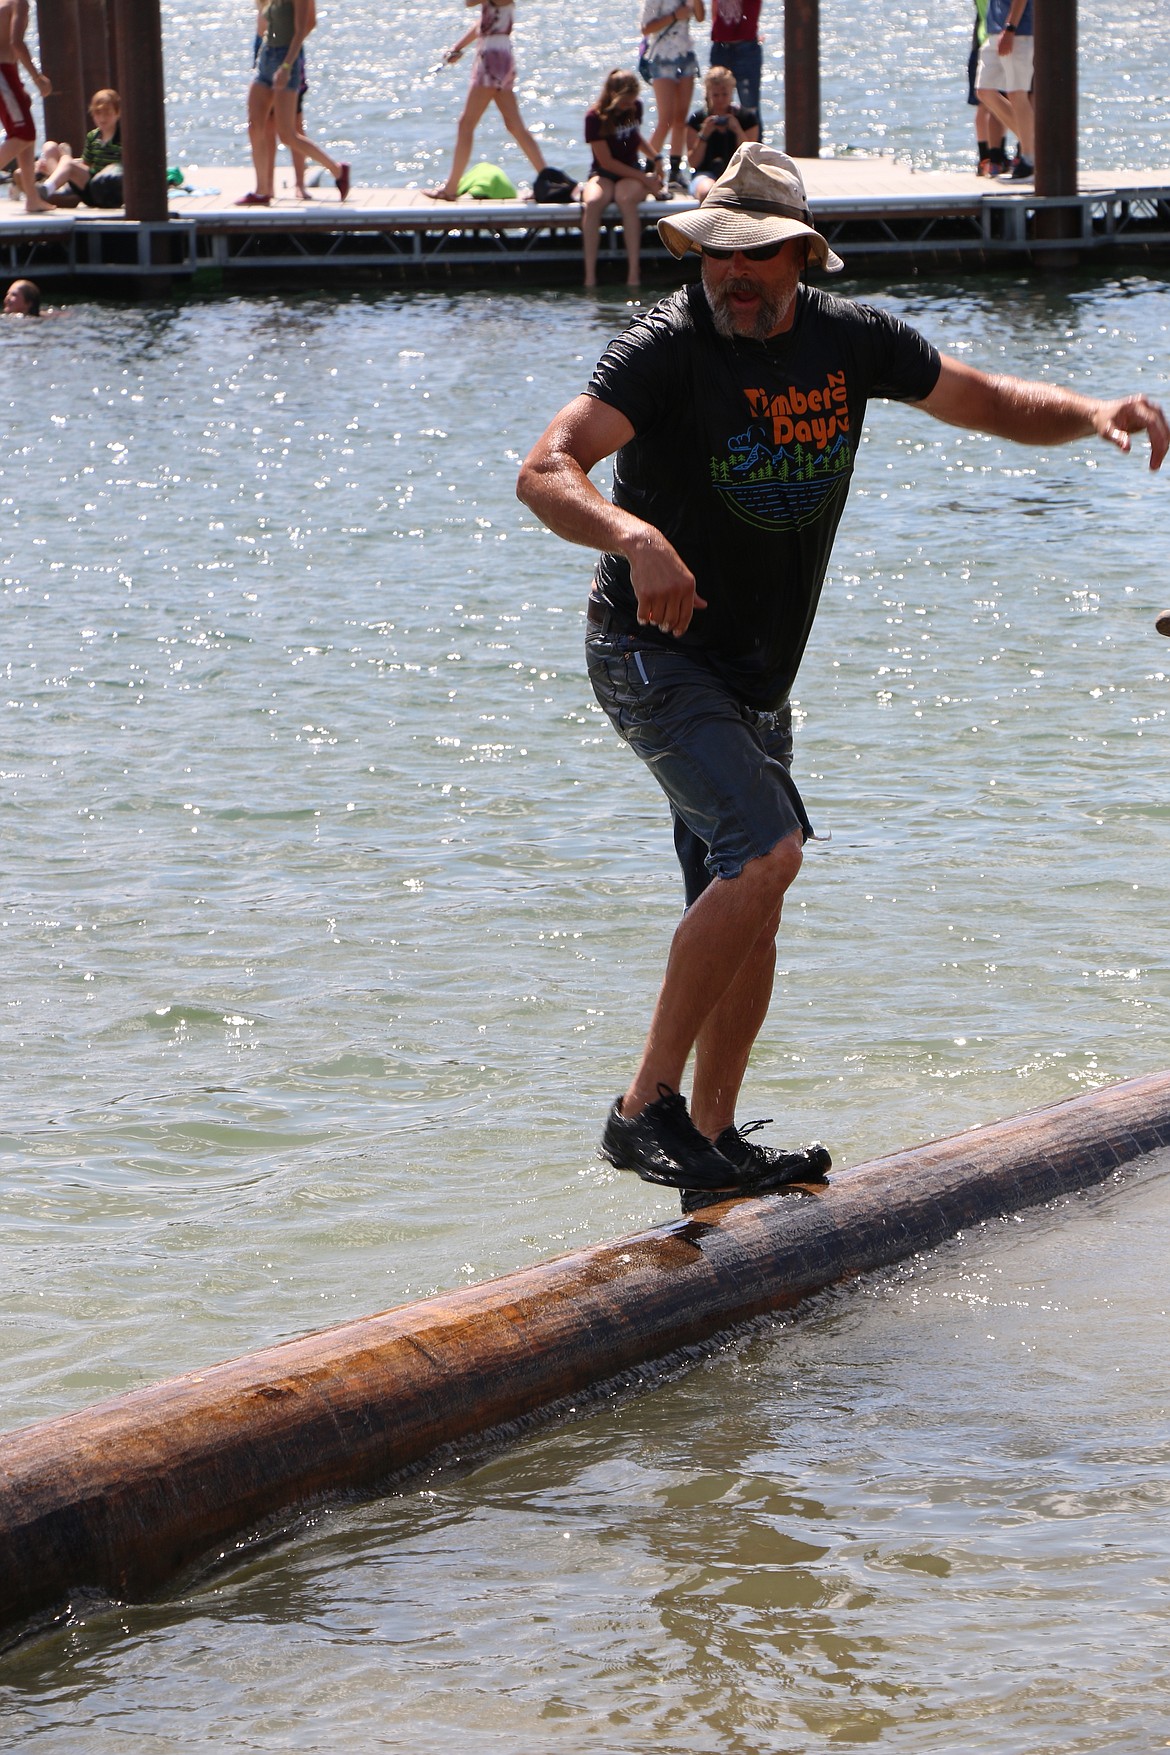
pixel 20 135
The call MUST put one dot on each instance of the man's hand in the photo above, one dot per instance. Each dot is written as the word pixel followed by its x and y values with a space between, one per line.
pixel 664 587
pixel 1134 414
pixel 43 84
pixel 554 482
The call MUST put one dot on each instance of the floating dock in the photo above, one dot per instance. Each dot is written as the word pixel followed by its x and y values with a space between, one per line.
pixel 879 215
pixel 122 1498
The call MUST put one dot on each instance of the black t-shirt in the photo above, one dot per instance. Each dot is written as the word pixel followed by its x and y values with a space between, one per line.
pixel 721 143
pixel 742 456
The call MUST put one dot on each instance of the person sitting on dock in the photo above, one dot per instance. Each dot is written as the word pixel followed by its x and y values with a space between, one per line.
pixel 493 75
pixel 735 407
pixel 714 132
pixel 96 177
pixel 16 117
pixel 277 81
pixel 23 299
pixel 613 128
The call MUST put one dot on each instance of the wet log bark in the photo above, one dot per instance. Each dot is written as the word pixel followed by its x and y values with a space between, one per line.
pixel 121 1497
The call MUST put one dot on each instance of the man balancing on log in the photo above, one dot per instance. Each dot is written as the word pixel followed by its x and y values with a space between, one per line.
pixel 735 409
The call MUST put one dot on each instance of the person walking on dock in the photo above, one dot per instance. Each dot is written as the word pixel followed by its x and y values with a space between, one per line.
pixel 735 407
pixel 20 135
pixel 277 82
pixel 1003 83
pixel 493 74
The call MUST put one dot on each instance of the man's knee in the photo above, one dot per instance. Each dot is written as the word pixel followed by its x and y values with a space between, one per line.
pixel 773 872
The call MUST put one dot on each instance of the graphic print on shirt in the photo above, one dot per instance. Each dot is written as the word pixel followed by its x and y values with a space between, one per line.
pixel 795 451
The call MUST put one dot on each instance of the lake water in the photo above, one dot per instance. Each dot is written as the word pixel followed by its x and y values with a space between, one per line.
pixel 331 915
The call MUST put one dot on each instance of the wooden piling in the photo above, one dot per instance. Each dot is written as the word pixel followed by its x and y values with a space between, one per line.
pixel 802 78
pixel 139 57
pixel 121 1497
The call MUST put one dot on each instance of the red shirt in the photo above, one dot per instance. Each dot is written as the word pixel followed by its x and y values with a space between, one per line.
pixel 735 21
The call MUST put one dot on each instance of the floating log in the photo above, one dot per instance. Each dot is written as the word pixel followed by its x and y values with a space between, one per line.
pixel 122 1497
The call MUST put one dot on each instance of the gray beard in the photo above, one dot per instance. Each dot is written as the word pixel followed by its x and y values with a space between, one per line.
pixel 769 312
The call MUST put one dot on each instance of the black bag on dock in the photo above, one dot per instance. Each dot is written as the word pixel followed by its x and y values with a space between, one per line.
pixel 552 185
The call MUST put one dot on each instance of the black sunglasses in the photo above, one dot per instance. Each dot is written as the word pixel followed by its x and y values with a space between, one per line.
pixel 760 253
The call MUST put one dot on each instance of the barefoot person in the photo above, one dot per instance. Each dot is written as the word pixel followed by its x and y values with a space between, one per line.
pixel 493 75
pixel 16 118
pixel 277 81
pixel 613 128
pixel 735 409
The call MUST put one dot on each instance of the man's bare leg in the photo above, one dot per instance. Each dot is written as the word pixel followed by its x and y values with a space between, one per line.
pixel 1024 122
pixel 728 1035
pixel 25 154
pixel 999 105
pixel 711 944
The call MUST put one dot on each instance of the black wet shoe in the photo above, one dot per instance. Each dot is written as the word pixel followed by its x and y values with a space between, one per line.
pixel 663 1145
pixel 763 1168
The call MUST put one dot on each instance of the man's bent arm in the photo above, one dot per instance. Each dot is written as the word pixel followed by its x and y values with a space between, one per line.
pixel 1041 414
pixel 554 483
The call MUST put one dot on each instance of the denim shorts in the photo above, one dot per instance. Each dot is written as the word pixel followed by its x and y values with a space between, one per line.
pixel 271 59
pixel 724 767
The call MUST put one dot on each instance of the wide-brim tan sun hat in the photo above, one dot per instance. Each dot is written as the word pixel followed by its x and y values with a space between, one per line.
pixel 759 199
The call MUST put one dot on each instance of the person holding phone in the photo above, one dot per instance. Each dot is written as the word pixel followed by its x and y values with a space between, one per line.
pixel 714 132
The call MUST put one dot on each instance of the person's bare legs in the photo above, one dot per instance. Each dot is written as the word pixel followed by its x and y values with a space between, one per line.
pixel 711 945
pixel 270 150
pixel 25 154
pixel 260 120
pixel 629 196
pixel 52 152
pixel 510 110
pixel 1024 122
pixel 288 127
pixel 999 104
pixel 726 1039
pixel 477 101
pixel 68 170
pixel 596 198
pixel 664 118
pixel 683 92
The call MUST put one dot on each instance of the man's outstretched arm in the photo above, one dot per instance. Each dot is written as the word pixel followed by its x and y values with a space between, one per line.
pixel 1041 414
pixel 554 483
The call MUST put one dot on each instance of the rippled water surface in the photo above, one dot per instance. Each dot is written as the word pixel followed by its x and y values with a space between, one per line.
pixel 331 913
pixel 890 83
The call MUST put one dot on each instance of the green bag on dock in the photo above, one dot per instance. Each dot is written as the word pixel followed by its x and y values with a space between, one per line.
pixel 487 183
